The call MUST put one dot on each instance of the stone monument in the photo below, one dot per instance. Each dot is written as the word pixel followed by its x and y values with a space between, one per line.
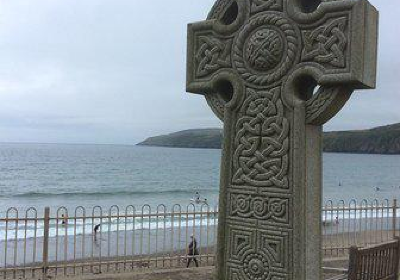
pixel 274 71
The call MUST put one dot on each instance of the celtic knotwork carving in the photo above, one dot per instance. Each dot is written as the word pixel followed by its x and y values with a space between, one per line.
pixel 281 54
pixel 326 103
pixel 264 5
pixel 316 104
pixel 218 9
pixel 257 207
pixel 262 144
pixel 217 104
pixel 327 43
pixel 252 59
pixel 264 49
pixel 212 55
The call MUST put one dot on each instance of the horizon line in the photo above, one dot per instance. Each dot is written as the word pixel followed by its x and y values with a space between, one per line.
pixel 64 143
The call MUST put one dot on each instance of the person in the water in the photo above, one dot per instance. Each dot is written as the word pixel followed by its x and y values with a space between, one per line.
pixel 95 230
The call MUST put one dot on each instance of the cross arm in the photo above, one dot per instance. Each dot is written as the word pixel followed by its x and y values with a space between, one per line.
pixel 340 40
pixel 210 43
pixel 208 53
pixel 209 63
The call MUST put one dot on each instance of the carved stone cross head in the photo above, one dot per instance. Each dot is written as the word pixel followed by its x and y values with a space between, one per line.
pixel 274 71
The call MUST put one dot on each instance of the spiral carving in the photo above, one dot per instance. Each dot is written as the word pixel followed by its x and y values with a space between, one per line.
pixel 259 207
pixel 243 203
pixel 268 209
pixel 277 208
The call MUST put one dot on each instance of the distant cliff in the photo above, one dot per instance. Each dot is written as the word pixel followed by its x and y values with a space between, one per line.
pixel 193 138
pixel 380 140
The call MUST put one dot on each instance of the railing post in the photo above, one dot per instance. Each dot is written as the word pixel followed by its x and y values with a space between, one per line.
pixel 394 217
pixel 46 241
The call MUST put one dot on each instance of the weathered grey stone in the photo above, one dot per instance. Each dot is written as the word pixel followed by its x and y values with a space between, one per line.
pixel 257 62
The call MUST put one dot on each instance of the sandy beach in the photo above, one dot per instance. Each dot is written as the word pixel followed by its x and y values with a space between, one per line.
pixel 106 245
pixel 141 250
pixel 143 242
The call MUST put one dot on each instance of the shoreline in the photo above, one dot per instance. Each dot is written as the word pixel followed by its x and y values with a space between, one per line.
pixel 136 243
pixel 346 224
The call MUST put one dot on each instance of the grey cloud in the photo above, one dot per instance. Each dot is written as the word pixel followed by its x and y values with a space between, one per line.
pixel 107 71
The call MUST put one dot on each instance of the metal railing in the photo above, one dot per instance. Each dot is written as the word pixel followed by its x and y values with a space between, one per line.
pixel 62 243
pixel 34 245
pixel 357 223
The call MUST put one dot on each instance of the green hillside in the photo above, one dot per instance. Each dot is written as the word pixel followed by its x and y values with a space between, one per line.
pixel 380 140
pixel 193 138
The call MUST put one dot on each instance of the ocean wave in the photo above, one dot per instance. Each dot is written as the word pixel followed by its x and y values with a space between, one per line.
pixel 18 232
pixel 107 193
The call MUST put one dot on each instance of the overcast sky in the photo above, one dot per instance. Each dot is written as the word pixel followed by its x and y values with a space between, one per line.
pixel 113 71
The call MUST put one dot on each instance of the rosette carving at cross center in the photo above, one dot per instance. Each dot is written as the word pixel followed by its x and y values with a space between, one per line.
pixel 266 49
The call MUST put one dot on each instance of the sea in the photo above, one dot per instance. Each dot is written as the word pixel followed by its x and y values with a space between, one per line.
pixel 61 175
pixel 57 175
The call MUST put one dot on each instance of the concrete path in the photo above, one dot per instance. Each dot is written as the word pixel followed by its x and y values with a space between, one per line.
pixel 202 273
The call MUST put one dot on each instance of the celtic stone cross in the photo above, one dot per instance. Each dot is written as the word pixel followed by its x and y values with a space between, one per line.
pixel 274 71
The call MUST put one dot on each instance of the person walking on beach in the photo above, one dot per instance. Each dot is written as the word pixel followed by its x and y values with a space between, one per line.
pixel 192 252
pixel 337 220
pixel 64 219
